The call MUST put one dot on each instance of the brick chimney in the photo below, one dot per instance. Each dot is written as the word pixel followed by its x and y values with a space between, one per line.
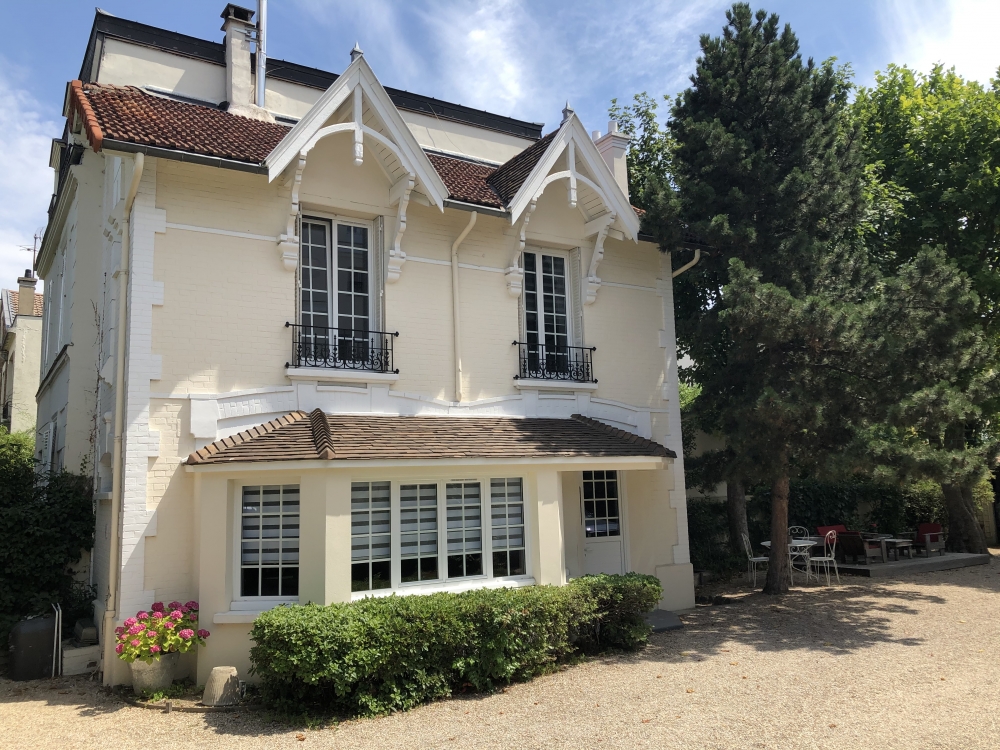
pixel 613 148
pixel 26 293
pixel 238 24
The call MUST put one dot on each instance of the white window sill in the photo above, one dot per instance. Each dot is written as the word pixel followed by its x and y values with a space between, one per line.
pixel 329 375
pixel 248 610
pixel 452 587
pixel 529 384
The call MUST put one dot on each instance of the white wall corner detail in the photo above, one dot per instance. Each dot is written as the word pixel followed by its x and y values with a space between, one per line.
pixel 515 272
pixel 204 419
pixel 399 195
pixel 592 282
pixel 155 366
pixel 156 293
pixel 288 243
pixel 150 524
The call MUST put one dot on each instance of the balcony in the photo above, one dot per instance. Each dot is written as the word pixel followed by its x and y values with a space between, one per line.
pixel 551 366
pixel 341 354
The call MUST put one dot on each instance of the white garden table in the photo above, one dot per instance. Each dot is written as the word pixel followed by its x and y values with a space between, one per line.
pixel 800 547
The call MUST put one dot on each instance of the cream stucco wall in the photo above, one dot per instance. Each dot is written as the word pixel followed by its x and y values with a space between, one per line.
pixel 23 367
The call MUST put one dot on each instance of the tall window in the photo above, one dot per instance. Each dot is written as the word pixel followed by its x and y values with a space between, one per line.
pixel 418 526
pixel 546 320
pixel 371 525
pixel 507 512
pixel 601 511
pixel 342 271
pixel 465 529
pixel 269 554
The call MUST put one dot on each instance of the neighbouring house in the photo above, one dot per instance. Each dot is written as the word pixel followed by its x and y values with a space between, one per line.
pixel 20 349
pixel 353 342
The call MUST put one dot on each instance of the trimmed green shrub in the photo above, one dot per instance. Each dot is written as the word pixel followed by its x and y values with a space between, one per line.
pixel 387 654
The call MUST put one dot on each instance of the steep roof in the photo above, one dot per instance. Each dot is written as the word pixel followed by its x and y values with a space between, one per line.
pixel 10 297
pixel 299 436
pixel 510 175
pixel 467 181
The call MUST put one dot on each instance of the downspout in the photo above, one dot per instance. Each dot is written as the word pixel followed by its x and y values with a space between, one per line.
pixel 114 561
pixel 687 266
pixel 455 304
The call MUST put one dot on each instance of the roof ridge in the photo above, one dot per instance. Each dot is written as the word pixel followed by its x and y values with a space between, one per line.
pixel 202 454
pixel 322 437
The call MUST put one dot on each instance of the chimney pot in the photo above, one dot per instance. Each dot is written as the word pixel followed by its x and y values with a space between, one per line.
pixel 613 148
pixel 238 25
pixel 26 293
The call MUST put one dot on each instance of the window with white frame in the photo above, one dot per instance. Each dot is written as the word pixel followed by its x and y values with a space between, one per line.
pixel 465 529
pixel 601 510
pixel 269 541
pixel 418 537
pixel 507 523
pixel 371 536
pixel 546 312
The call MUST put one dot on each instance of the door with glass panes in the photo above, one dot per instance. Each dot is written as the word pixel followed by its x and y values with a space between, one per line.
pixel 546 316
pixel 335 298
pixel 602 523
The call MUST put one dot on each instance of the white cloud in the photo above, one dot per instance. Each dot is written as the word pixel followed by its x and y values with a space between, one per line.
pixel 960 33
pixel 25 178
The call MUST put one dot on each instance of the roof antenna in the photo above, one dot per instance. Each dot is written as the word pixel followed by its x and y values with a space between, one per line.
pixel 261 51
pixel 567 111
pixel 356 52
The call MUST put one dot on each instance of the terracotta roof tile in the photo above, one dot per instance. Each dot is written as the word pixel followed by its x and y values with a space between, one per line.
pixel 13 295
pixel 318 436
pixel 510 175
pixel 467 180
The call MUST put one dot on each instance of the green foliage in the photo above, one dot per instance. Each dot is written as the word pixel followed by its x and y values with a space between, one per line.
pixel 648 157
pixel 390 654
pixel 45 524
pixel 708 532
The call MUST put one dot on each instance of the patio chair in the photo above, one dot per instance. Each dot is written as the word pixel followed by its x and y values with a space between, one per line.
pixel 855 546
pixel 930 537
pixel 798 555
pixel 829 556
pixel 752 562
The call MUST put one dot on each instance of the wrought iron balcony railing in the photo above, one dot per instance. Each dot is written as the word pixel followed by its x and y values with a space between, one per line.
pixel 341 348
pixel 541 362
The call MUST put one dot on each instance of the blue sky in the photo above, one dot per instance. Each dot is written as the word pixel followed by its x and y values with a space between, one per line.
pixel 522 58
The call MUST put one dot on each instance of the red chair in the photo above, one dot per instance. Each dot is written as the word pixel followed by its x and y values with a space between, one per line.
pixel 823 530
pixel 931 537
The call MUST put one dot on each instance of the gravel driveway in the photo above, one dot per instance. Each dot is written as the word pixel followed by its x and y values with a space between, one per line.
pixel 903 664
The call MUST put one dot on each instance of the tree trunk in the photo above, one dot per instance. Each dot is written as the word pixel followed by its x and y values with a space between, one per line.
pixel 964 532
pixel 736 509
pixel 777 566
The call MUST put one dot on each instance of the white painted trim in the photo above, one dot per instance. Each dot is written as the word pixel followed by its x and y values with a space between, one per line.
pixel 624 463
pixel 453 587
pixel 323 375
pixel 223 232
pixel 470 266
pixel 227 394
pixel 630 286
pixel 529 384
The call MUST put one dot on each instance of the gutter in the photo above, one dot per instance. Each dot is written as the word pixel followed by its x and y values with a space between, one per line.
pixel 117 483
pixel 109 144
pixel 456 319
pixel 690 264
pixel 475 208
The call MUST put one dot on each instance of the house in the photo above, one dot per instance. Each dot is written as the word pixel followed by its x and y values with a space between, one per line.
pixel 353 342
pixel 20 346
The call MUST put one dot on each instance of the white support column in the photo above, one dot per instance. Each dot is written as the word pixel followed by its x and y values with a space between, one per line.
pixel 549 552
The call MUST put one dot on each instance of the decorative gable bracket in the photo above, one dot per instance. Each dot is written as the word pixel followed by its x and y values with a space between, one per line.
pixel 592 282
pixel 515 273
pixel 399 196
pixel 288 243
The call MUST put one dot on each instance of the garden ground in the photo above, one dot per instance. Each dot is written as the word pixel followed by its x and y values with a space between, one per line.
pixel 899 664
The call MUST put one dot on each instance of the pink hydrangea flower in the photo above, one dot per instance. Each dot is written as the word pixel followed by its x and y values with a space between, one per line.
pixel 168 624
pixel 119 648
pixel 135 630
pixel 154 649
pixel 176 614
pixel 143 615
pixel 203 633
pixel 119 631
pixel 135 643
pixel 174 605
pixel 151 633
pixel 130 622
pixel 157 607
pixel 183 609
pixel 157 615
pixel 191 604
pixel 186 633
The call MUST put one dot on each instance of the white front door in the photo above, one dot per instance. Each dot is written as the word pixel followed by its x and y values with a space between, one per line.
pixel 602 525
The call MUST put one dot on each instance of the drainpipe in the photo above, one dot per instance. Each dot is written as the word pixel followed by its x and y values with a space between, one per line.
pixel 117 485
pixel 455 304
pixel 686 266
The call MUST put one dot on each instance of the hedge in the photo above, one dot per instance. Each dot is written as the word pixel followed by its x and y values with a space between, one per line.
pixel 379 655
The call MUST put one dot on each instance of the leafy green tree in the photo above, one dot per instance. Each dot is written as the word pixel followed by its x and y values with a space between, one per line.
pixel 933 145
pixel 648 157
pixel 764 169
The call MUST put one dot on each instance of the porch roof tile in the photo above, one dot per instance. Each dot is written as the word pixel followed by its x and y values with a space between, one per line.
pixel 301 436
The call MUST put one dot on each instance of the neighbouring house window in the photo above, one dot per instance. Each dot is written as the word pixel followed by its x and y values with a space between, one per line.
pixel 269 554
pixel 418 526
pixel 601 511
pixel 546 319
pixel 335 291
pixel 507 512
pixel 465 529
pixel 371 527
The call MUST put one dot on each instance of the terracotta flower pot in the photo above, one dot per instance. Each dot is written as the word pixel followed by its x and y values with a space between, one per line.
pixel 149 678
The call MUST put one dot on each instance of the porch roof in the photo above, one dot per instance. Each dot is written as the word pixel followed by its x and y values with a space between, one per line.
pixel 299 436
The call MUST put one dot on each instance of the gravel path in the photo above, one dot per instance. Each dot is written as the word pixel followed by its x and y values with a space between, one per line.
pixel 903 664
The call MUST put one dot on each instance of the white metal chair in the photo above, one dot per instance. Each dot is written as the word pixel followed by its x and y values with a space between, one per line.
pixel 752 562
pixel 799 554
pixel 829 556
